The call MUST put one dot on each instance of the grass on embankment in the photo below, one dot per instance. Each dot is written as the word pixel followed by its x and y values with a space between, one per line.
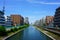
pixel 55 36
pixel 13 31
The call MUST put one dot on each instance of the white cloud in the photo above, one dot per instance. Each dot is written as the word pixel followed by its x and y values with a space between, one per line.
pixel 43 2
pixel 49 3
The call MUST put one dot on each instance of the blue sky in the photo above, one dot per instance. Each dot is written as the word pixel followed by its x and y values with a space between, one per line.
pixel 34 9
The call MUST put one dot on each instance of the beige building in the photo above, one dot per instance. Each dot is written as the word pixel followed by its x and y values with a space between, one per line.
pixel 49 19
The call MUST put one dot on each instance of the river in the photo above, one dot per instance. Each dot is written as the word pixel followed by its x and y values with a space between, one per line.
pixel 30 33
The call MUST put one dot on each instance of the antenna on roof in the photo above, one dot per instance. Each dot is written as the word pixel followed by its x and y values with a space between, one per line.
pixel 3 6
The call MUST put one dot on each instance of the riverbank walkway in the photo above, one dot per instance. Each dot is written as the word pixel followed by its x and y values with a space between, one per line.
pixel 54 31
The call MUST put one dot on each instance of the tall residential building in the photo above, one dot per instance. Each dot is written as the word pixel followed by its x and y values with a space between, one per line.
pixel 2 18
pixel 8 21
pixel 17 20
pixel 49 19
pixel 57 18
pixel 26 20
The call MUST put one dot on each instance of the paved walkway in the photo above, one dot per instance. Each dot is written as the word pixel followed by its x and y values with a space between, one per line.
pixel 52 30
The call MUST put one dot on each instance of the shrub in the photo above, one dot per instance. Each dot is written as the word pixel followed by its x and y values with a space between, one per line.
pixel 20 27
pixel 2 31
pixel 13 29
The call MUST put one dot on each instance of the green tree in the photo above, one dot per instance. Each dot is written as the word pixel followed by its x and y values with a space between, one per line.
pixel 2 31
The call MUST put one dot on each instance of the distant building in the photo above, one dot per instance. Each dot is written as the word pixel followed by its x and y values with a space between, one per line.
pixel 49 19
pixel 26 20
pixel 17 20
pixel 2 18
pixel 57 18
pixel 37 23
pixel 8 21
pixel 42 21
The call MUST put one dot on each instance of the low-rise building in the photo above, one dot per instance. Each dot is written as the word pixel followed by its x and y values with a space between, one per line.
pixel 8 21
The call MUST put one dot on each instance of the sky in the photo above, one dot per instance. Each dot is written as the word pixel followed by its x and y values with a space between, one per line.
pixel 33 9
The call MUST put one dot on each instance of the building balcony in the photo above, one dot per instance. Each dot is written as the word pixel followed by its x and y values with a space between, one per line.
pixel 57 17
pixel 2 21
pixel 57 14
pixel 1 13
pixel 58 11
pixel 8 19
pixel 2 18
pixel 8 22
pixel 2 24
pixel 57 23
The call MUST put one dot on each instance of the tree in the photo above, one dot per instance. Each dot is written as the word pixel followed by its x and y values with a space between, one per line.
pixel 2 31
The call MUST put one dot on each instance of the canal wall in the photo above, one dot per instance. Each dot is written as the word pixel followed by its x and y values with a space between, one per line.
pixel 46 33
pixel 14 34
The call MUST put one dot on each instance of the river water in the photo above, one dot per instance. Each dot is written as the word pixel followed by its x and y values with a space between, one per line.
pixel 30 33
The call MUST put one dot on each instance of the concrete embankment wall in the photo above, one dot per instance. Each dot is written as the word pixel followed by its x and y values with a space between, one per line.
pixel 14 36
